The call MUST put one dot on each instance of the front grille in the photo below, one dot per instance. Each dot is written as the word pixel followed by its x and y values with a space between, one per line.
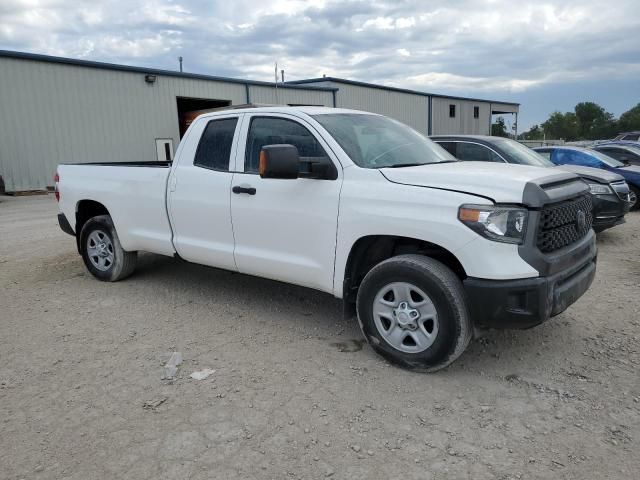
pixel 564 223
pixel 622 190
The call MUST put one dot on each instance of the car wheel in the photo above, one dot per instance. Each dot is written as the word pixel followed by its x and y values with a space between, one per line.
pixel 102 253
pixel 412 311
pixel 633 198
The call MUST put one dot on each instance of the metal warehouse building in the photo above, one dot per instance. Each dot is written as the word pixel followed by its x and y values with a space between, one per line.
pixel 58 110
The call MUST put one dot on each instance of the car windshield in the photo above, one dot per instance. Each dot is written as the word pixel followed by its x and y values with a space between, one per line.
pixel 612 162
pixel 631 148
pixel 522 154
pixel 373 141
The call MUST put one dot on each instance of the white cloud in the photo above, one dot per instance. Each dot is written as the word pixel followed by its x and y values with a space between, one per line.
pixel 459 47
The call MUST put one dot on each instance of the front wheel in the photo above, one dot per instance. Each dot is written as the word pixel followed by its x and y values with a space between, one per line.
pixel 102 253
pixel 412 310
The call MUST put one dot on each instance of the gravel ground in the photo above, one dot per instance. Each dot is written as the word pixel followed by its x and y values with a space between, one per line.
pixel 295 394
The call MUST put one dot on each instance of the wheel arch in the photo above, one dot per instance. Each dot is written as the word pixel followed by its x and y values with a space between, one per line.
pixel 368 251
pixel 85 210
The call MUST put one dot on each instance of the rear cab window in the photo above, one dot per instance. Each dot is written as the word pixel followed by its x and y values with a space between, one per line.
pixel 214 149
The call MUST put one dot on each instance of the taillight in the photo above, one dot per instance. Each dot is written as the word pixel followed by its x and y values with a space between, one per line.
pixel 56 179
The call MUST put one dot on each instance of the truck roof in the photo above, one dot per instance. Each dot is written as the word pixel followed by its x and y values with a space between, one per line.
pixel 307 109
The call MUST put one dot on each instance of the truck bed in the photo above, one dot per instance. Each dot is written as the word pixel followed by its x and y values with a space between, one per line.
pixel 134 194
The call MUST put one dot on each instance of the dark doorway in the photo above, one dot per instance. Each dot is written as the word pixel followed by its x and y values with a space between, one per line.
pixel 190 108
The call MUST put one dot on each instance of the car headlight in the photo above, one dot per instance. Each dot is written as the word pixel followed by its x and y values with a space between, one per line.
pixel 497 223
pixel 599 189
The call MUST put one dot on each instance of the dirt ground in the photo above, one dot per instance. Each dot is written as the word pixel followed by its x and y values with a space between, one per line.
pixel 295 394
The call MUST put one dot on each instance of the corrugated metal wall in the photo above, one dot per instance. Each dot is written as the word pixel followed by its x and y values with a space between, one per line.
pixel 263 94
pixel 463 123
pixel 412 110
pixel 53 113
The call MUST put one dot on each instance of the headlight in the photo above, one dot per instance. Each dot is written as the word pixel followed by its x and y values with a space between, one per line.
pixel 599 189
pixel 497 223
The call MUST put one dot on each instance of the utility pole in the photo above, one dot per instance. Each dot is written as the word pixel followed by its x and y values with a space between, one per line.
pixel 180 60
pixel 276 83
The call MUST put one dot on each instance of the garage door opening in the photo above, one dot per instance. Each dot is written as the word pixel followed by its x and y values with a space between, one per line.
pixel 190 108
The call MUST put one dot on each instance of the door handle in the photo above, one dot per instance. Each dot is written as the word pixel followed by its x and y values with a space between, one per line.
pixel 239 189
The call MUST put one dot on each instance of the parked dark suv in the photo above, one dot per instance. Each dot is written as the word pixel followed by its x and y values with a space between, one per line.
pixel 610 192
pixel 625 152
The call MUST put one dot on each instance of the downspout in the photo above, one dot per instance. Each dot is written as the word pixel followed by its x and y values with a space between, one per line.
pixel 429 116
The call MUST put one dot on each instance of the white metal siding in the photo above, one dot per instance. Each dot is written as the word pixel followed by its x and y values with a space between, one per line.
pixel 504 107
pixel 289 96
pixel 408 108
pixel 53 113
pixel 463 123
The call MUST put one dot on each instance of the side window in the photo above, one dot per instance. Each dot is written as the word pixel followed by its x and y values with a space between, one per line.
pixel 449 147
pixel 476 153
pixel 272 131
pixel 633 137
pixel 617 153
pixel 545 154
pixel 215 144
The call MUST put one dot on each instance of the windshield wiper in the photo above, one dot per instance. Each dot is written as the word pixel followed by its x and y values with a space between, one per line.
pixel 400 165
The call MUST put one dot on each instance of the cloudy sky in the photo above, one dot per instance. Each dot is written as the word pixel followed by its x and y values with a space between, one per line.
pixel 547 55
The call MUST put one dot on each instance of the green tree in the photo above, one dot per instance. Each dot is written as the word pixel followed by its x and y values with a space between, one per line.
pixel 534 133
pixel 594 122
pixel 499 129
pixel 630 120
pixel 561 126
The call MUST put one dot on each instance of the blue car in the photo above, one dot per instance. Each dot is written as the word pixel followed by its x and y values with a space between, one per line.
pixel 567 155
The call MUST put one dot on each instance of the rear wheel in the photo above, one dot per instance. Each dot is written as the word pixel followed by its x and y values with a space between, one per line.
pixel 102 253
pixel 633 198
pixel 413 312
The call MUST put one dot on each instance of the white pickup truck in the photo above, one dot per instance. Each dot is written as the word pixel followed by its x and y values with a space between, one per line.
pixel 425 249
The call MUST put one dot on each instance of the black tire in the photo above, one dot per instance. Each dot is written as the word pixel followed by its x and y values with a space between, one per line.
pixel 123 264
pixel 635 191
pixel 447 295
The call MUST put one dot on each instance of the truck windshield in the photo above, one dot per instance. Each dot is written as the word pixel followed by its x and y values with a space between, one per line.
pixel 522 154
pixel 373 141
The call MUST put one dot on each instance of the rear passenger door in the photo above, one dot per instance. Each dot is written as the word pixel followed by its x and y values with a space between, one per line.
pixel 284 229
pixel 199 192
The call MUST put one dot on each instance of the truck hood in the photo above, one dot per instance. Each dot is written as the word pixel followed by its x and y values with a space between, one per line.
pixel 592 174
pixel 500 182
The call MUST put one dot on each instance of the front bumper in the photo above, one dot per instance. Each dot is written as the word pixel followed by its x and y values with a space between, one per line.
pixel 608 211
pixel 525 303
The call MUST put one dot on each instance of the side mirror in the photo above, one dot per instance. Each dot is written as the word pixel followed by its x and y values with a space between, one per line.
pixel 279 161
